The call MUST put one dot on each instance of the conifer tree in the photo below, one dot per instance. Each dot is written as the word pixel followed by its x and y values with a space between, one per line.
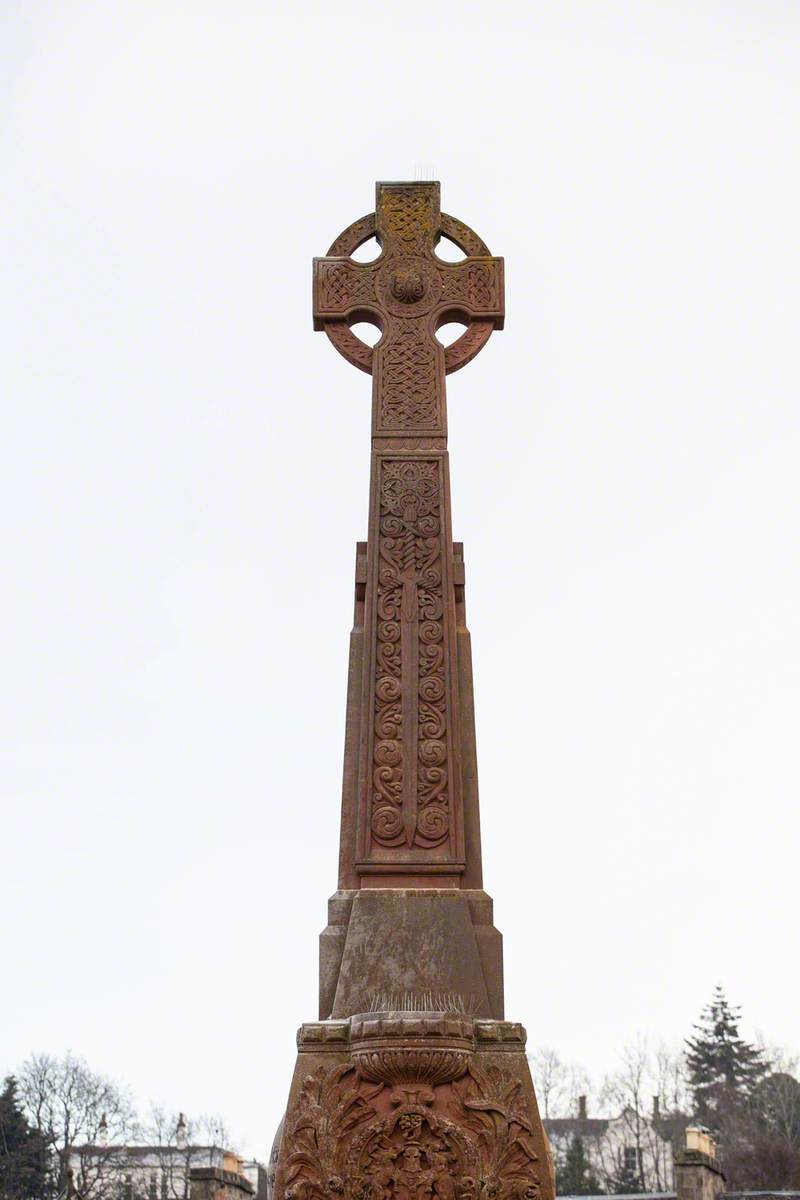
pixel 22 1150
pixel 576 1177
pixel 723 1068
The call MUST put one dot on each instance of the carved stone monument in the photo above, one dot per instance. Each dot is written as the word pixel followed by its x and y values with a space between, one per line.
pixel 412 1084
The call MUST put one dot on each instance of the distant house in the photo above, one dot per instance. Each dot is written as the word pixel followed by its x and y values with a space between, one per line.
pixel 155 1172
pixel 631 1152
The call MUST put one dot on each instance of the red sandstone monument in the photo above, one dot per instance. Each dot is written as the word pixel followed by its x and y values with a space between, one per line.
pixel 411 1085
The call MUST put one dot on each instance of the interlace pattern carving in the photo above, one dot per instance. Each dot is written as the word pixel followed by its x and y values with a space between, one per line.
pixel 476 286
pixel 408 397
pixel 469 1140
pixel 410 804
pixel 408 782
pixel 341 286
pixel 409 224
pixel 407 217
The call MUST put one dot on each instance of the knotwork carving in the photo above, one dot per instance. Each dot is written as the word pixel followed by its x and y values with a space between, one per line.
pixel 408 784
pixel 407 216
pixel 408 224
pixel 340 288
pixel 466 1140
pixel 410 799
pixel 408 395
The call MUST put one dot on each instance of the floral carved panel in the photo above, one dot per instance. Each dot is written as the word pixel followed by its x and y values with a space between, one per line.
pixel 412 788
pixel 472 1139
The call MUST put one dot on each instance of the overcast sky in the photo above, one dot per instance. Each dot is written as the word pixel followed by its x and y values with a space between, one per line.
pixel 184 475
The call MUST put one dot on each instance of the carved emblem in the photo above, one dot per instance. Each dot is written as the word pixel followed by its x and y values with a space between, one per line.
pixel 408 286
pixel 469 1140
pixel 414 1154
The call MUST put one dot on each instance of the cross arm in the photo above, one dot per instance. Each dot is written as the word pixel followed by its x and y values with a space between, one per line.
pixel 341 287
pixel 476 287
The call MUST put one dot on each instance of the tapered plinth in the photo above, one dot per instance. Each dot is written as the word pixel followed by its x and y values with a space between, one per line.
pixel 409 1106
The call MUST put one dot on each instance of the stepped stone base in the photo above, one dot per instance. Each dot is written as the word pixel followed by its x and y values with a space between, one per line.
pixel 412 1106
pixel 393 941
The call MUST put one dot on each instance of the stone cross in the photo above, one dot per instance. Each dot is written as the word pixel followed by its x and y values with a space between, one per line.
pixel 408 293
pixel 404 818
pixel 412 1085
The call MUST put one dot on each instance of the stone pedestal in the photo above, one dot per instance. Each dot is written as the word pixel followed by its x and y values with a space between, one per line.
pixel 412 1105
pixel 392 942
pixel 698 1174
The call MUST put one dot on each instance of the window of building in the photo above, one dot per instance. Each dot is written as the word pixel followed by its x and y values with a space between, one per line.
pixel 631 1158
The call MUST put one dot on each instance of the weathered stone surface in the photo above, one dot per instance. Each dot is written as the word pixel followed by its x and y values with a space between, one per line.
pixel 444 1108
pixel 698 1176
pixel 213 1183
pixel 409 808
pixel 411 1086
pixel 401 940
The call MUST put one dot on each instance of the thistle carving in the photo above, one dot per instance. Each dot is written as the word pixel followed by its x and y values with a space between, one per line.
pixel 466 1140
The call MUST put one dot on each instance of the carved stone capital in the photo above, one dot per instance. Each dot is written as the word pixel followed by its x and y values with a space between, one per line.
pixel 427 1048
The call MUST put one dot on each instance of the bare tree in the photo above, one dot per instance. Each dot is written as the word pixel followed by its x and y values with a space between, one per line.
pixel 180 1143
pixel 558 1084
pixel 670 1081
pixel 78 1113
pixel 637 1151
pixel 551 1080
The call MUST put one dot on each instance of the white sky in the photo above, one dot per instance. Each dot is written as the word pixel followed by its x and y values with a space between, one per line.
pixel 184 476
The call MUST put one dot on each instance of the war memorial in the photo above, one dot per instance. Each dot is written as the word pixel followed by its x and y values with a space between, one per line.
pixel 411 1084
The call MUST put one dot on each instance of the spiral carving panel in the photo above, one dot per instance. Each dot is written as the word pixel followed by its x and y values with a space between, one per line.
pixel 410 797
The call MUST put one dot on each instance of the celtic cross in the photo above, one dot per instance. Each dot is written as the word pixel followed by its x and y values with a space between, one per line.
pixel 403 816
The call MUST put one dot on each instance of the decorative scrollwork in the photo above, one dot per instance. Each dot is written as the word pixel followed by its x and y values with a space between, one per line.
pixel 466 1137
pixel 410 800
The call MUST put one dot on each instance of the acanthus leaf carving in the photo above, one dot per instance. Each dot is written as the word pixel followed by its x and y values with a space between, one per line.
pixel 404 1139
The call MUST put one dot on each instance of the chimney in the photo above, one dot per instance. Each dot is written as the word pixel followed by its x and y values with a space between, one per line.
pixel 102 1131
pixel 581 1108
pixel 698 1175
pixel 656 1108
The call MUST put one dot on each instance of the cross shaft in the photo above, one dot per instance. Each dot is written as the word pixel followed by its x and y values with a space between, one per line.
pixel 403 814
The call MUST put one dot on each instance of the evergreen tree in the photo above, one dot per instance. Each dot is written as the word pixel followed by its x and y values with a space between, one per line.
pixel 627 1182
pixel 576 1177
pixel 723 1068
pixel 22 1150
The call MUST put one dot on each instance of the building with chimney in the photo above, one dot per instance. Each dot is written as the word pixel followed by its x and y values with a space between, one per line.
pixel 180 1170
pixel 629 1152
